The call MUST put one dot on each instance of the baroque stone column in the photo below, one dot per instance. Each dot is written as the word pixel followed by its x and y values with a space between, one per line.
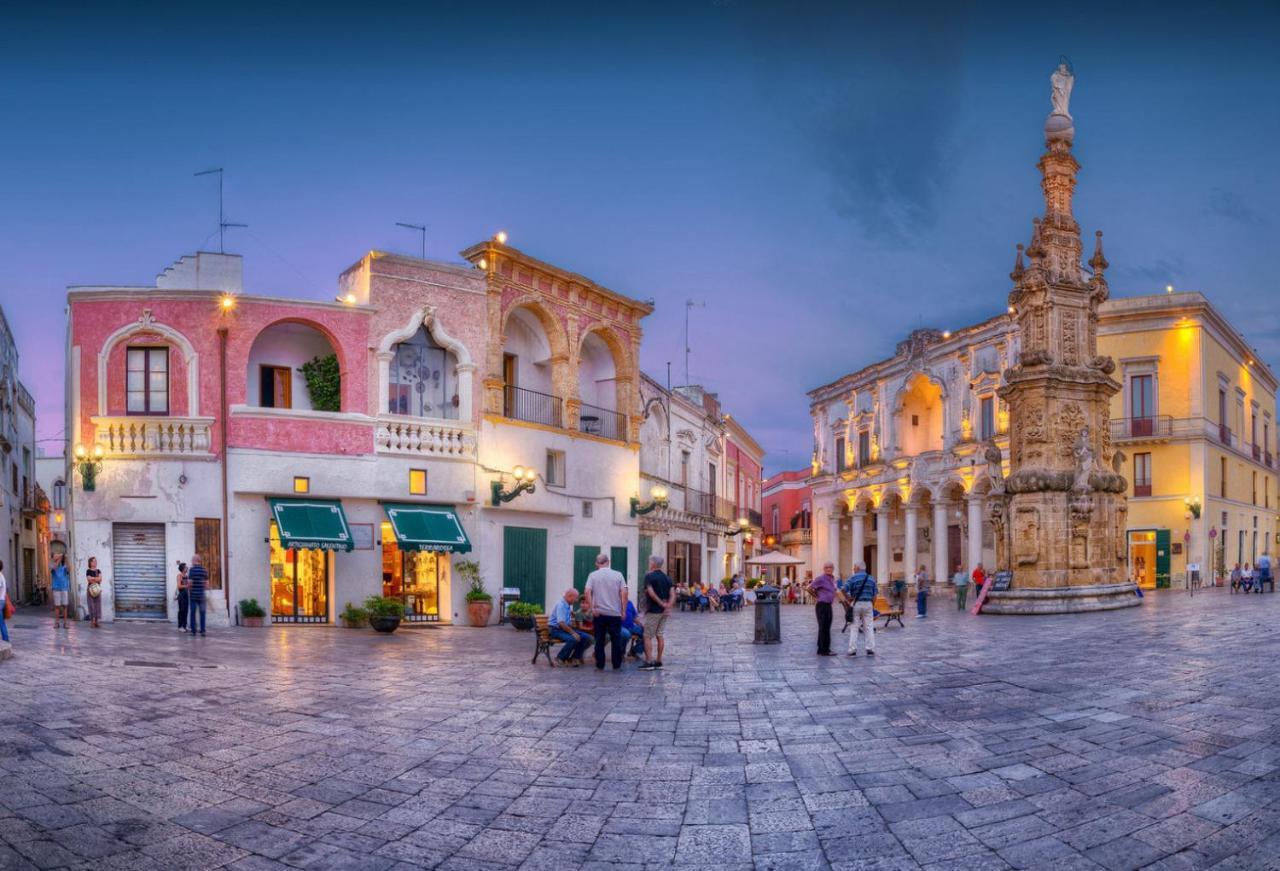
pixel 913 534
pixel 1059 506
pixel 859 519
pixel 882 545
pixel 941 571
pixel 975 530
pixel 833 539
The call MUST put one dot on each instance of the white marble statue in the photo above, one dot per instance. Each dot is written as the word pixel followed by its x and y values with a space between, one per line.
pixel 1063 80
pixel 1085 461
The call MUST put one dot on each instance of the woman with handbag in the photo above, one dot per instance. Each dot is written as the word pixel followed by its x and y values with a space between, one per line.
pixel 183 596
pixel 6 606
pixel 93 586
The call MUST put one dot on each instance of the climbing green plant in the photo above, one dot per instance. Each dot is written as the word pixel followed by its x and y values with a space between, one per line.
pixel 324 383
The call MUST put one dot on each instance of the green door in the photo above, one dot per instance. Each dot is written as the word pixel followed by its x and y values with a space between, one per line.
pixel 524 562
pixel 618 560
pixel 1162 559
pixel 584 563
pixel 646 551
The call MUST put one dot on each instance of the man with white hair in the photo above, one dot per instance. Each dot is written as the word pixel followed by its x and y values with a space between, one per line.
pixel 605 596
pixel 659 598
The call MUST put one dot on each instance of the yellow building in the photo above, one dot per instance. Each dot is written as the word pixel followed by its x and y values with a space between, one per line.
pixel 1197 421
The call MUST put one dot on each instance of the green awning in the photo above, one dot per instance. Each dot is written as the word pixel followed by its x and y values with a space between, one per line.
pixel 427 527
pixel 311 524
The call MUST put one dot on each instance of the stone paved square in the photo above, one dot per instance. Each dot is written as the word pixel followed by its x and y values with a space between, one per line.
pixel 1130 739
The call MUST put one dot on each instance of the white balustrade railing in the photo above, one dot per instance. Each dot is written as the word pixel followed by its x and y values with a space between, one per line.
pixel 153 436
pixel 424 438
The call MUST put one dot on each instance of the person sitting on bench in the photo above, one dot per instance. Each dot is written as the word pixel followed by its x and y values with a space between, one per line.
pixel 560 626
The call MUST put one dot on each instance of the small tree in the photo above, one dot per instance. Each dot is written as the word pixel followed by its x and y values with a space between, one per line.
pixel 324 383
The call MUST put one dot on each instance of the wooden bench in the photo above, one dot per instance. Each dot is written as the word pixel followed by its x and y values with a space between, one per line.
pixel 887 611
pixel 541 639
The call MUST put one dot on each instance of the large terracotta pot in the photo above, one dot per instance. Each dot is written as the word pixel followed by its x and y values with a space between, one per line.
pixel 480 612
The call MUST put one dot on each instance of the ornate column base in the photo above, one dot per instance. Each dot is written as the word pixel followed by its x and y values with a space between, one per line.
pixel 1063 600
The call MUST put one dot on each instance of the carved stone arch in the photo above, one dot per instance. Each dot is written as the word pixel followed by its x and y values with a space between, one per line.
pixel 624 371
pixel 563 380
pixel 426 317
pixel 148 325
pixel 863 501
pixel 907 380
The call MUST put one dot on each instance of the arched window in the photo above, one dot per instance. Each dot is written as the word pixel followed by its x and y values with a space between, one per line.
pixel 423 379
pixel 59 499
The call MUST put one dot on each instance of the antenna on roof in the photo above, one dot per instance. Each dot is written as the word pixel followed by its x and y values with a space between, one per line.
pixel 688 307
pixel 223 223
pixel 421 229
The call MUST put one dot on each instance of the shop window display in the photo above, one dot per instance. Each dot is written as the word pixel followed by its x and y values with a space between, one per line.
pixel 299 583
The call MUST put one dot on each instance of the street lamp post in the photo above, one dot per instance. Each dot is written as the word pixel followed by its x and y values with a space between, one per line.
pixel 658 499
pixel 524 484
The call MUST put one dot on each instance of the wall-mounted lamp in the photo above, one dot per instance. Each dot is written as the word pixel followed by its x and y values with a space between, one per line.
pixel 658 497
pixel 89 462
pixel 524 484
pixel 1193 505
pixel 743 526
pixel 227 302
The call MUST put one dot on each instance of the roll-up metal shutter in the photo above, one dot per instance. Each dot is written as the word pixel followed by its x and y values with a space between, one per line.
pixel 138 576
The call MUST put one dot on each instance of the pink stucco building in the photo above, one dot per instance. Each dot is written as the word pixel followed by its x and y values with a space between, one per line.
pixel 315 453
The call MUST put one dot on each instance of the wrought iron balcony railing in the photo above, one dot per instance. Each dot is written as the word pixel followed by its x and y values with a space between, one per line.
pixel 602 422
pixel 519 403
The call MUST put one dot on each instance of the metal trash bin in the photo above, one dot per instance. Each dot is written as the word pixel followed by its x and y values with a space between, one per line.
pixel 505 598
pixel 768 615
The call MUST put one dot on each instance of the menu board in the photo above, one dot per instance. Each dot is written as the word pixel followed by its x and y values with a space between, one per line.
pixel 1002 581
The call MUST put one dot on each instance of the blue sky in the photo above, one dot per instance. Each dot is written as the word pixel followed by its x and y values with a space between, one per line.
pixel 823 177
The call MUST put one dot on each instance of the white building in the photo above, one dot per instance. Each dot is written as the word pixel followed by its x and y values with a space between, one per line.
pixel 20 511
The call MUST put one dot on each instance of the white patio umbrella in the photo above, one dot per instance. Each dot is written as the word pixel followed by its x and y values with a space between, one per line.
pixel 775 559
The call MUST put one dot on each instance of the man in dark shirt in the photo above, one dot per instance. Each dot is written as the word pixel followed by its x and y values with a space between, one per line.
pixel 659 599
pixel 197 583
pixel 823 590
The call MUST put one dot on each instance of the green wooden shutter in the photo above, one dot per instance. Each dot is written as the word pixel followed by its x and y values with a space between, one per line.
pixel 1162 558
pixel 584 563
pixel 646 551
pixel 524 562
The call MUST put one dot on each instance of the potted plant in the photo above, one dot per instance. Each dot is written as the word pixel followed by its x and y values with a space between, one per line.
pixel 521 615
pixel 384 613
pixel 251 612
pixel 479 601
pixel 353 617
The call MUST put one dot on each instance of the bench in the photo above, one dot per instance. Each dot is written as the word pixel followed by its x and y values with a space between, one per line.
pixel 541 639
pixel 887 611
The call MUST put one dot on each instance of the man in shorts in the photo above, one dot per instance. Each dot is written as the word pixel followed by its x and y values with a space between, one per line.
pixel 659 599
pixel 60 586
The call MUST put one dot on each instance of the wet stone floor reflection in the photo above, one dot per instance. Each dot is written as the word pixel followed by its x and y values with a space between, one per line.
pixel 1142 738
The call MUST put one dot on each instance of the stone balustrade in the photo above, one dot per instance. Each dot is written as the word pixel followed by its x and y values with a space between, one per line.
pixel 153 436
pixel 423 438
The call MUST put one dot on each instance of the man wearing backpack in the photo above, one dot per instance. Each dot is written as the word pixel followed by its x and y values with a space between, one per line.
pixel 860 592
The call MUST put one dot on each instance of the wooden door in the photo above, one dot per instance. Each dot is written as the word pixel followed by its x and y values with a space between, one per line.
pixel 209 546
pixel 524 562
pixel 584 563
pixel 695 564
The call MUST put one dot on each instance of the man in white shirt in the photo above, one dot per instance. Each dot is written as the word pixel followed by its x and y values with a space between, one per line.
pixel 605 596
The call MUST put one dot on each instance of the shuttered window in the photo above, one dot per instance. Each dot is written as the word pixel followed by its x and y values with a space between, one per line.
pixel 147 381
pixel 584 563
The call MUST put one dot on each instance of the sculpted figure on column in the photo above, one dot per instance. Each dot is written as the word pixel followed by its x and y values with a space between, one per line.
pixel 1062 80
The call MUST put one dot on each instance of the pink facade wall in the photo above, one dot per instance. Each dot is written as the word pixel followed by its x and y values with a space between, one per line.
pixel 197 316
pixel 749 470
pixel 788 501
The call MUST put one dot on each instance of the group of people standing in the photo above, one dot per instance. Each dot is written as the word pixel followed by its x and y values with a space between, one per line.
pixel 608 616
pixel 193 583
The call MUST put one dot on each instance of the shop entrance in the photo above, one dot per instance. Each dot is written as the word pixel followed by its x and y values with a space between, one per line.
pixel 1149 558
pixel 418 578
pixel 299 583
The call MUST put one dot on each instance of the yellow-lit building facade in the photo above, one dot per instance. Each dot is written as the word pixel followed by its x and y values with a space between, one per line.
pixel 1196 419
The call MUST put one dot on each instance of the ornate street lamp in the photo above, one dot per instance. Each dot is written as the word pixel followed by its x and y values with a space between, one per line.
pixel 658 500
pixel 1193 505
pixel 89 462
pixel 524 484
pixel 743 525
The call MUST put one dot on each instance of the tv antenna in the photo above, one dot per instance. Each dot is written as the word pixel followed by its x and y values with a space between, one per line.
pixel 689 305
pixel 421 229
pixel 223 223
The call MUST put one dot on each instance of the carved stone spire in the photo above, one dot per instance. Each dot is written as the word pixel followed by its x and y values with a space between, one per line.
pixel 1098 263
pixel 1018 268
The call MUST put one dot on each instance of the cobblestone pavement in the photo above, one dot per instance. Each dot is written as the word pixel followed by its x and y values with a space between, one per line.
pixel 1142 738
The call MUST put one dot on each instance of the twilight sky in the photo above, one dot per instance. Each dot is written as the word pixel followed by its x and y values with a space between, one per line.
pixel 822 177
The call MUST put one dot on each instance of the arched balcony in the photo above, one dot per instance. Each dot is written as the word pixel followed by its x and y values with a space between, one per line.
pixel 603 395
pixel 530 364
pixel 274 376
pixel 919 420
